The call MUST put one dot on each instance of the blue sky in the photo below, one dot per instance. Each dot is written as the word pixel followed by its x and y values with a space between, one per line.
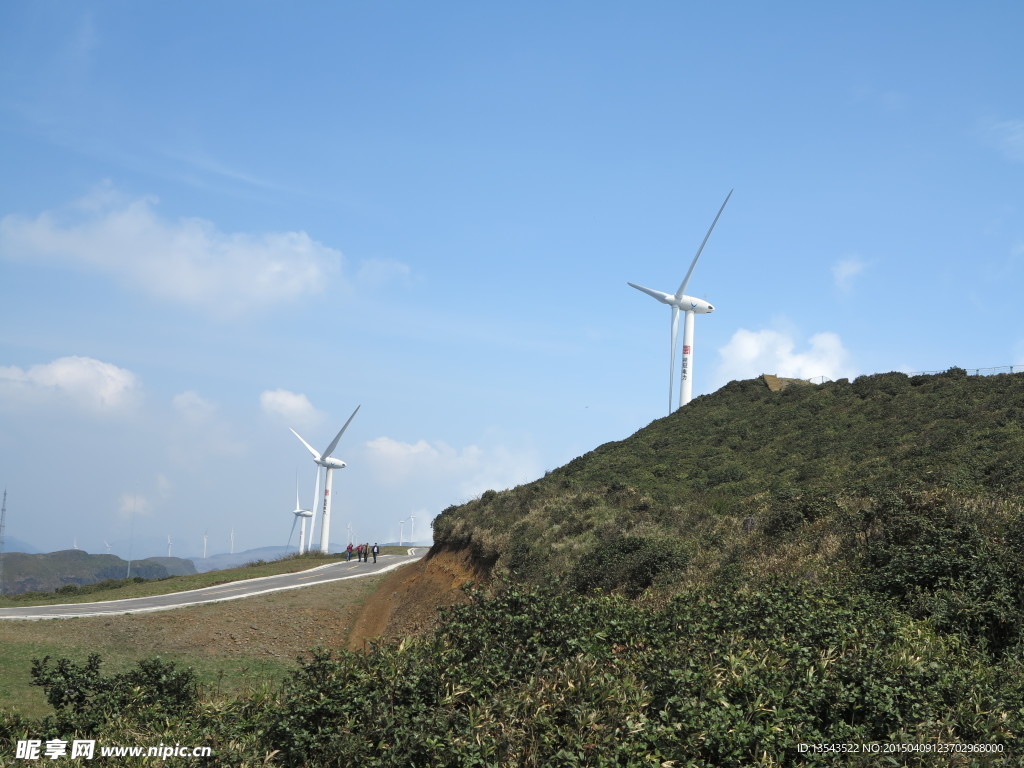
pixel 222 220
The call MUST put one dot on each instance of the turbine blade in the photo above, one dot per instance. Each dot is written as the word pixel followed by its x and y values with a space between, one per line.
pixel 659 295
pixel 334 443
pixel 682 285
pixel 316 456
pixel 295 519
pixel 672 355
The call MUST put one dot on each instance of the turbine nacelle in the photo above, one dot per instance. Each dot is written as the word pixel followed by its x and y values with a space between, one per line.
pixel 690 304
pixel 332 463
pixel 684 303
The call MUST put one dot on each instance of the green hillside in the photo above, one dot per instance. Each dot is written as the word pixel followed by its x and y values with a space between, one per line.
pixel 815 482
pixel 76 568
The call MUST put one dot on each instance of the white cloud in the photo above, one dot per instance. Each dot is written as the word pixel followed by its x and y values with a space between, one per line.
pixel 1007 136
pixel 82 381
pixel 844 271
pixel 291 407
pixel 470 470
pixel 187 261
pixel 751 353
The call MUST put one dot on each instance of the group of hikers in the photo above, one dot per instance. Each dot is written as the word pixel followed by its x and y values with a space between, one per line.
pixel 362 551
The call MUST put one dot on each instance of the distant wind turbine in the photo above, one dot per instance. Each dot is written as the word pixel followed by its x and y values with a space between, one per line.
pixel 168 546
pixel 300 516
pixel 690 306
pixel 329 464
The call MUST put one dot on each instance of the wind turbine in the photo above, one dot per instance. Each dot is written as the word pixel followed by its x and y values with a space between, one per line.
pixel 168 546
pixel 401 532
pixel 301 515
pixel 329 464
pixel 690 306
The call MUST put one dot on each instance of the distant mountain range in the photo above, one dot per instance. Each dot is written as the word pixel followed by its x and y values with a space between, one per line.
pixel 47 572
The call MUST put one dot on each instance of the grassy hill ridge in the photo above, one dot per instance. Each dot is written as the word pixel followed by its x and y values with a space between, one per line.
pixel 907 487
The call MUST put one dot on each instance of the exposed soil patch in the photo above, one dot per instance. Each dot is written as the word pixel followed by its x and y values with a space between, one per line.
pixel 407 600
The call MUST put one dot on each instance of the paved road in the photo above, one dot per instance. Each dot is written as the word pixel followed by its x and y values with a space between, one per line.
pixel 234 590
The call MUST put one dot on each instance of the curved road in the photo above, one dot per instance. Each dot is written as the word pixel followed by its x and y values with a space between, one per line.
pixel 234 590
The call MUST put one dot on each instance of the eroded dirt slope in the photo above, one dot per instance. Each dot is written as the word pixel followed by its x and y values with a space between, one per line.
pixel 407 600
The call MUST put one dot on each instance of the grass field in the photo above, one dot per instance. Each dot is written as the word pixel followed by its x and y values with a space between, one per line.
pixel 232 646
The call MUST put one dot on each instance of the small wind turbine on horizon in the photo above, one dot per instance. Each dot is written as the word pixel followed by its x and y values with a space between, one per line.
pixel 679 301
pixel 329 464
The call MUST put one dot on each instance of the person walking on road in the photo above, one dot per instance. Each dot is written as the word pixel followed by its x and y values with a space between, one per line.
pixel 348 552
pixel 376 551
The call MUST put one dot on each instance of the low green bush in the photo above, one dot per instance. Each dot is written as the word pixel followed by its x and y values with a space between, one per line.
pixel 544 677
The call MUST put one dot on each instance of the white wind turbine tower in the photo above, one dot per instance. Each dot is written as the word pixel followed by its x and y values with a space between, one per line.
pixel 301 515
pixel 329 464
pixel 690 306
pixel 168 546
